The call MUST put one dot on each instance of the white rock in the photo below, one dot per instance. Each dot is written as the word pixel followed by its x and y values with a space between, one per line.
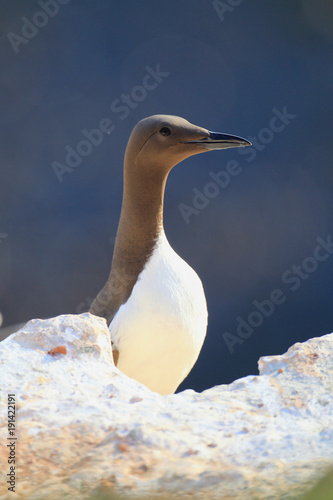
pixel 83 427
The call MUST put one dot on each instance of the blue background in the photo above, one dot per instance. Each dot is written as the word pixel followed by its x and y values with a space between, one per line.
pixel 228 69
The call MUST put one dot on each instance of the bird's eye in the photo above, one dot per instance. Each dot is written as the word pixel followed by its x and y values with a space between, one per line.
pixel 165 131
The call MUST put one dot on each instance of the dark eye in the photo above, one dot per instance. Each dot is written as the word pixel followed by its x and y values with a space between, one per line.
pixel 165 131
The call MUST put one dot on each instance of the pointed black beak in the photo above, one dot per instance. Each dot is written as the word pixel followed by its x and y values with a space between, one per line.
pixel 215 140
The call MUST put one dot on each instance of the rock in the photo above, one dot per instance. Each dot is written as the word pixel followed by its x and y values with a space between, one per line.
pixel 84 429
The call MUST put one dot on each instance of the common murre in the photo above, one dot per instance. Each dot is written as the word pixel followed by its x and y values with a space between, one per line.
pixel 153 300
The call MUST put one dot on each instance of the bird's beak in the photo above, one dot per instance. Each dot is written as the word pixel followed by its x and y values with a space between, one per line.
pixel 215 140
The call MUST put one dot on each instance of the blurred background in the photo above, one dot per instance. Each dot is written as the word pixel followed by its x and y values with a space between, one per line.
pixel 262 70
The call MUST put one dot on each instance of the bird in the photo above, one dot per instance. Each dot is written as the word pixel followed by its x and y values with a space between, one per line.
pixel 153 301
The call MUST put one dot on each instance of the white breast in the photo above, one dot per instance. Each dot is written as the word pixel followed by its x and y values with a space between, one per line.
pixel 160 330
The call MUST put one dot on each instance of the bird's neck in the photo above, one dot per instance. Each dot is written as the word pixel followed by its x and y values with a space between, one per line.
pixel 141 218
pixel 140 227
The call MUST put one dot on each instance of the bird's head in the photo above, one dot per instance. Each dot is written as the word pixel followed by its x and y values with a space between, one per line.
pixel 161 141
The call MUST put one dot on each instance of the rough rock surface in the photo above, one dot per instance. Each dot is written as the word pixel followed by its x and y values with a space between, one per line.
pixel 83 428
